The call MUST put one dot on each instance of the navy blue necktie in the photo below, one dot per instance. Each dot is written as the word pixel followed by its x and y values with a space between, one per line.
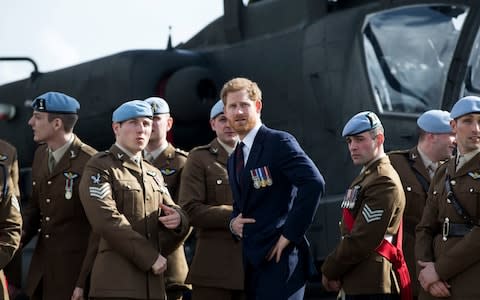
pixel 239 160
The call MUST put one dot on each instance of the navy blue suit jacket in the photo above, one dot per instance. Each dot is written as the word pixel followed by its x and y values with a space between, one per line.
pixel 287 206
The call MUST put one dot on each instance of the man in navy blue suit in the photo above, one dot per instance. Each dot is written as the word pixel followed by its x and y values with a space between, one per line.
pixel 276 189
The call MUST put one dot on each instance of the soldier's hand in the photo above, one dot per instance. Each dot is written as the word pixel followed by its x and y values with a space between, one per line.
pixel 277 250
pixel 171 218
pixel 236 225
pixel 428 275
pixel 439 289
pixel 330 285
pixel 77 294
pixel 160 265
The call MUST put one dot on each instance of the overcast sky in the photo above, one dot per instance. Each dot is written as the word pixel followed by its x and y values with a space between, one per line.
pixel 59 33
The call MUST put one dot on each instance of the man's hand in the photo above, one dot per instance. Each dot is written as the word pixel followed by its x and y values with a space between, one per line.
pixel 160 265
pixel 428 275
pixel 439 289
pixel 331 285
pixel 236 225
pixel 277 250
pixel 171 219
pixel 77 294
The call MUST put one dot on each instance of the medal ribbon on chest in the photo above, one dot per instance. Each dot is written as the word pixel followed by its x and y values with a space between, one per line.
pixel 69 184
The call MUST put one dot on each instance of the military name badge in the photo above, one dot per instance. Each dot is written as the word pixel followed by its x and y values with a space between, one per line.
pixel 350 197
pixel 69 184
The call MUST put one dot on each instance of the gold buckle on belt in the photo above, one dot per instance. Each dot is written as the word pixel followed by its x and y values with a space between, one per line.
pixel 446 229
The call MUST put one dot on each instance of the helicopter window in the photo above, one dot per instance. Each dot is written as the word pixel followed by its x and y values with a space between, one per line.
pixel 472 77
pixel 408 52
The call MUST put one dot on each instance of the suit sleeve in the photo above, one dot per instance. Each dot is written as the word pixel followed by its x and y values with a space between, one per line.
pixel 193 198
pixel 10 226
pixel 368 231
pixel 109 223
pixel 304 175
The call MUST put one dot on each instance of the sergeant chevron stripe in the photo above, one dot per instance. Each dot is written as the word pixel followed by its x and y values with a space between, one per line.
pixel 101 191
pixel 371 215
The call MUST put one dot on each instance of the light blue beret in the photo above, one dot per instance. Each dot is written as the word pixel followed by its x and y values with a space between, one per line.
pixel 435 121
pixel 55 102
pixel 466 105
pixel 361 122
pixel 159 105
pixel 131 110
pixel 216 109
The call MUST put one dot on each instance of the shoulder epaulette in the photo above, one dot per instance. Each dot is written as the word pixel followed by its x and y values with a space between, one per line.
pixel 203 147
pixel 402 152
pixel 182 152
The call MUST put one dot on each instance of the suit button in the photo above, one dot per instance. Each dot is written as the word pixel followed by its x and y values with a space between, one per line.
pixel 49 182
pixel 47 219
pixel 47 236
pixel 47 200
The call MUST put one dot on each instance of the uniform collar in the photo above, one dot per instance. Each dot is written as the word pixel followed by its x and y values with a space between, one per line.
pixel 58 154
pixel 156 153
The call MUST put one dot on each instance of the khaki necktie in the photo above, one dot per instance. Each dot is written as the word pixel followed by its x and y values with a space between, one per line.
pixel 51 161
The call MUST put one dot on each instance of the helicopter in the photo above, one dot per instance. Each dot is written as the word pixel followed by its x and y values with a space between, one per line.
pixel 317 63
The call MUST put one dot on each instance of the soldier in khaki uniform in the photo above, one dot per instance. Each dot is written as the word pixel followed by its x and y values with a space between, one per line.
pixel 373 208
pixel 10 217
pixel 128 205
pixel 447 242
pixel 170 161
pixel 216 271
pixel 8 158
pixel 416 167
pixel 65 248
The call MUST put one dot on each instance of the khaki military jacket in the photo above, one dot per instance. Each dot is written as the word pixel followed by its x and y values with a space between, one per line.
pixel 170 162
pixel 10 230
pixel 457 259
pixel 410 167
pixel 54 211
pixel 207 198
pixel 122 201
pixel 379 202
pixel 8 157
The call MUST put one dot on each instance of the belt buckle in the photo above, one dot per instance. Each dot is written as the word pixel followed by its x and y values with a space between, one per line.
pixel 445 229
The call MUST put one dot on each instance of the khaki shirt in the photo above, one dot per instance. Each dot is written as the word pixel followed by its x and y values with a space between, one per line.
pixel 456 259
pixel 207 198
pixel 122 201
pixel 379 202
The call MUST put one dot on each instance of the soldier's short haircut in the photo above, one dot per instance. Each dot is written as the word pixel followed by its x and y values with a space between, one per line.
pixel 375 131
pixel 240 83
pixel 68 120
pixel 421 133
